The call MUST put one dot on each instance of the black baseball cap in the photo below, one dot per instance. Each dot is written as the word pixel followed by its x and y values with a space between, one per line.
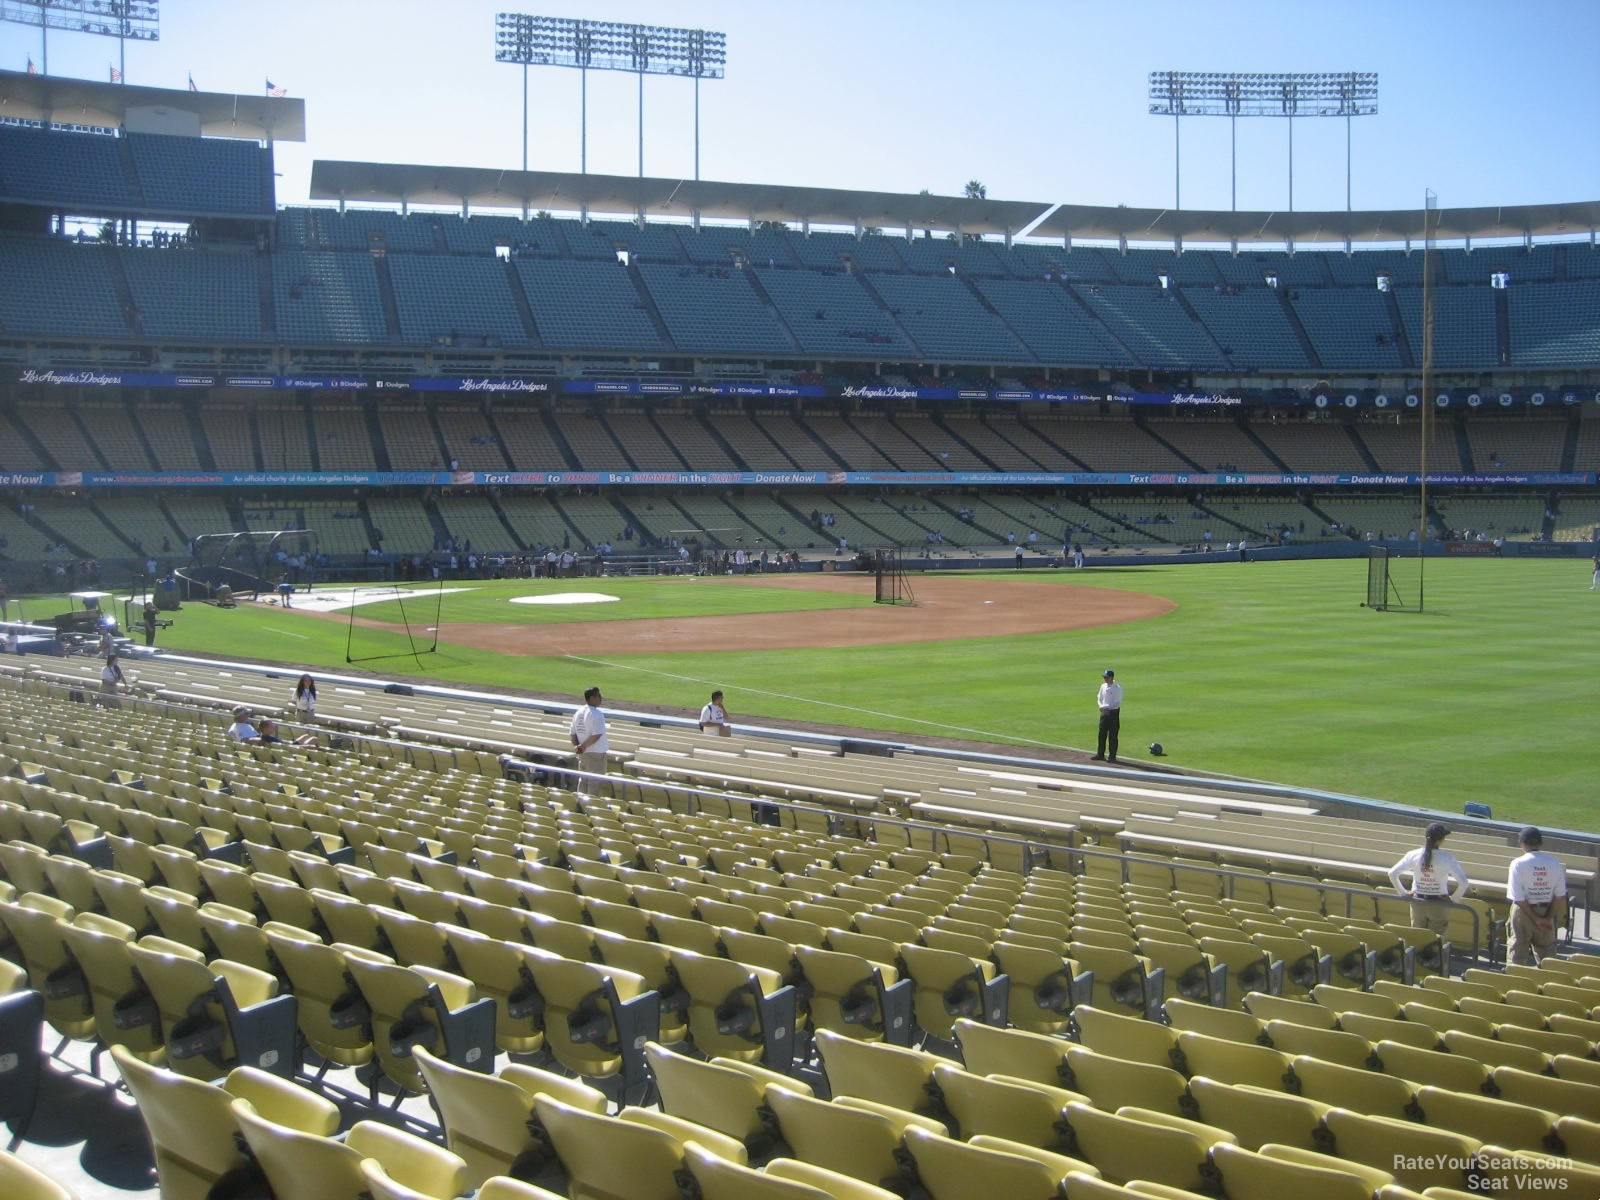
pixel 1530 836
pixel 1109 674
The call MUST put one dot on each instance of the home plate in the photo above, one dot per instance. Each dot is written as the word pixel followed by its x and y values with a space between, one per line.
pixel 567 598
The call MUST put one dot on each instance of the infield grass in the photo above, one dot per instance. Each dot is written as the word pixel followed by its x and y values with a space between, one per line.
pixel 1266 670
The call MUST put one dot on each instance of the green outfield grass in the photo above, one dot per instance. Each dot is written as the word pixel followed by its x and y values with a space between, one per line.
pixel 1268 670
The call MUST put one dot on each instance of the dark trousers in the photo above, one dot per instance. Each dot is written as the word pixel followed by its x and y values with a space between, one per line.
pixel 1110 726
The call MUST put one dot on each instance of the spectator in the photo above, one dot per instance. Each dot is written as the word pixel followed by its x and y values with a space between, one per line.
pixel 111 680
pixel 305 698
pixel 242 730
pixel 269 735
pixel 589 737
pixel 714 717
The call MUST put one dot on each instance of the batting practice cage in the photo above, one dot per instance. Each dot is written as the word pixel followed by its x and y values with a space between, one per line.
pixel 892 585
pixel 380 616
pixel 249 562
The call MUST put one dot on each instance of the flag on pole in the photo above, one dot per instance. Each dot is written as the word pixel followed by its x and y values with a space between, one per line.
pixel 32 70
pixel 275 91
pixel 192 87
pixel 116 75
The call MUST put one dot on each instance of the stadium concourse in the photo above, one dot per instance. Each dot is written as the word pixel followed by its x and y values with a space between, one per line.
pixel 425 956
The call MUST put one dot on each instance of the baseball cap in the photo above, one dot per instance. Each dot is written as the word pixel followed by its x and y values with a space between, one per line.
pixel 1109 673
pixel 1436 830
pixel 1530 836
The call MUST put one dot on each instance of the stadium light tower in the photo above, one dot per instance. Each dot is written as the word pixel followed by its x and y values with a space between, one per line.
pixel 1179 94
pixel 608 46
pixel 121 19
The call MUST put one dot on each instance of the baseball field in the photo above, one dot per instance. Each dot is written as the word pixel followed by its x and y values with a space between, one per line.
pixel 1272 671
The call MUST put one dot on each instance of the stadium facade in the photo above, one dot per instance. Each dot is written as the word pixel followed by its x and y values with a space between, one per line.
pixel 180 356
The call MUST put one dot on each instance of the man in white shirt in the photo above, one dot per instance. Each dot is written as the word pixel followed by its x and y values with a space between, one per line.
pixel 1110 701
pixel 111 681
pixel 242 730
pixel 1537 889
pixel 714 718
pixel 1432 871
pixel 589 738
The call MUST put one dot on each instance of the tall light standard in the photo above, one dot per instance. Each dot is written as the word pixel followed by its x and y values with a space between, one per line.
pixel 1179 94
pixel 121 19
pixel 608 46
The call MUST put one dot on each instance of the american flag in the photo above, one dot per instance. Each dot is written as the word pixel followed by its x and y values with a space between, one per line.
pixel 275 91
pixel 32 70
pixel 116 75
pixel 192 87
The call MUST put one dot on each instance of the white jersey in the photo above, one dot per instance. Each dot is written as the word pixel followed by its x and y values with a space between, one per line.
pixel 587 722
pixel 1536 877
pixel 1432 880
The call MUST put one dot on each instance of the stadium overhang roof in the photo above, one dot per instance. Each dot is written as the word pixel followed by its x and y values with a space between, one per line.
pixel 105 105
pixel 481 187
pixel 493 188
pixel 1167 225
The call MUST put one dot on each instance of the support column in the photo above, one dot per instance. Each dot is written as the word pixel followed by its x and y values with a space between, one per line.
pixel 1177 161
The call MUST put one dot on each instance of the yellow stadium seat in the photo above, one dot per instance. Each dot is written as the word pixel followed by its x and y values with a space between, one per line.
pixel 897 1076
pixel 1252 1175
pixel 785 1179
pixel 1519 1126
pixel 637 1154
pixel 19 1181
pixel 952 1170
pixel 217 1016
pixel 1256 1116
pixel 298 1163
pixel 487 1118
pixel 1021 1110
pixel 419 1006
pixel 191 1125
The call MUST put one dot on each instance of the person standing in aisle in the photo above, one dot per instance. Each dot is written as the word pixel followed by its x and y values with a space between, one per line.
pixel 305 698
pixel 589 737
pixel 1537 888
pixel 1432 872
pixel 1110 701
pixel 714 717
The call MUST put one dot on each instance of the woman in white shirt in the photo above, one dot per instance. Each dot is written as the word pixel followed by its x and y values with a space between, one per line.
pixel 1432 871
pixel 305 698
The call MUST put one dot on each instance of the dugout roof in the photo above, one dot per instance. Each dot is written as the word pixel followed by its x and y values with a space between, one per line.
pixel 105 105
pixel 494 188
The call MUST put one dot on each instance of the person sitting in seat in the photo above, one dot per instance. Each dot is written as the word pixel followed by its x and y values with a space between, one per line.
pixel 242 730
pixel 269 736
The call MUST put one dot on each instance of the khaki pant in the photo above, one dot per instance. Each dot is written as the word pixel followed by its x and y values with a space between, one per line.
pixel 596 763
pixel 1431 915
pixel 1530 943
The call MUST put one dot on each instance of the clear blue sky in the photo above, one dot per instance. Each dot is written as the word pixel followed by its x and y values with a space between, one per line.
pixel 1486 103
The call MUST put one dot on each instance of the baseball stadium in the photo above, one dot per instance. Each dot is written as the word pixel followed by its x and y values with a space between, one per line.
pixel 525 683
